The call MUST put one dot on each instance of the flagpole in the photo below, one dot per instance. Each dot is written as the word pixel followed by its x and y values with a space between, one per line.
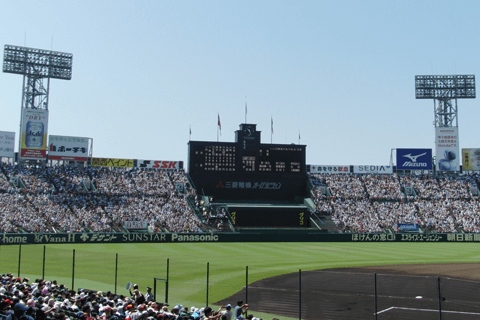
pixel 271 131
pixel 245 109
pixel 190 134
pixel 219 126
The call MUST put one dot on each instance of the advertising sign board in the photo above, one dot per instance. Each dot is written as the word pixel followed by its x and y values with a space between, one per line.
pixel 67 148
pixel 373 169
pixel 471 159
pixel 414 159
pixel 33 134
pixel 447 149
pixel 135 224
pixel 7 143
pixel 109 162
pixel 159 164
pixel 329 169
pixel 408 226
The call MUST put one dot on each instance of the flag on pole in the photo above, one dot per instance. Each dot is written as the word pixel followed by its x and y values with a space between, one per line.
pixel 245 109
pixel 272 124
pixel 219 124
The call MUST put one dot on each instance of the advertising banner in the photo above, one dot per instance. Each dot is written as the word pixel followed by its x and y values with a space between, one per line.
pixel 447 148
pixel 329 169
pixel 414 159
pixel 100 237
pixel 471 159
pixel 159 164
pixel 33 134
pixel 408 226
pixel 67 148
pixel 108 162
pixel 135 224
pixel 373 169
pixel 7 143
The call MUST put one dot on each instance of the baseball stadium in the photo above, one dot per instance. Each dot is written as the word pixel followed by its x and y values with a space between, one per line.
pixel 243 230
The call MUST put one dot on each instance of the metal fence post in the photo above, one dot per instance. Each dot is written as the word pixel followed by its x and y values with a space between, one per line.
pixel 208 275
pixel 154 289
pixel 116 271
pixel 166 284
pixel 375 283
pixel 43 269
pixel 19 258
pixel 439 299
pixel 246 285
pixel 73 271
pixel 299 294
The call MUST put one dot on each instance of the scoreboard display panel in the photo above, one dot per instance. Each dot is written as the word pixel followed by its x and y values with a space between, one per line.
pixel 227 157
pixel 269 217
pixel 246 169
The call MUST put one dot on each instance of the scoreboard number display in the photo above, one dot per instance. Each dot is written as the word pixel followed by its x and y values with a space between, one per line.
pixel 247 169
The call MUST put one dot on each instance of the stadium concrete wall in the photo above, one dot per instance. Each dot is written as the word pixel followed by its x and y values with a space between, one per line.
pixel 43 238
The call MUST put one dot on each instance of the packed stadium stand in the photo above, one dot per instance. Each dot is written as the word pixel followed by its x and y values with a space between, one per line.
pixel 100 199
pixel 378 203
pixel 72 199
pixel 21 299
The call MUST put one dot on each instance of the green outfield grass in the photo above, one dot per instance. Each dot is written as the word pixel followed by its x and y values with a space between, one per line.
pixel 140 263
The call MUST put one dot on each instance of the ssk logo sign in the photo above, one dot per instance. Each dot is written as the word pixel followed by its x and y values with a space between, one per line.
pixel 159 164
pixel 414 159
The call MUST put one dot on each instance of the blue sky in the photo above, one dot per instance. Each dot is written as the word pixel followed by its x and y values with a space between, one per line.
pixel 339 72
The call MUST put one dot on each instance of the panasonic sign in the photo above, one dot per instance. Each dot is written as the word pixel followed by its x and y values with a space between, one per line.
pixel 414 159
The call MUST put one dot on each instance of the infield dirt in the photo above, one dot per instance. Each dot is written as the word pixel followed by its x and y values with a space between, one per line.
pixel 403 292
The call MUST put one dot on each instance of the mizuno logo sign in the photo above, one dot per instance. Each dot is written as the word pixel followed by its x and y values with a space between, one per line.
pixel 413 158
pixel 414 164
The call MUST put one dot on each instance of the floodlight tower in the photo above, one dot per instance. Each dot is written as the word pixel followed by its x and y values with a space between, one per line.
pixel 37 67
pixel 444 89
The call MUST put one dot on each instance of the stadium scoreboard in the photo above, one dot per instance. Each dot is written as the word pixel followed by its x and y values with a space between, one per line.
pixel 250 169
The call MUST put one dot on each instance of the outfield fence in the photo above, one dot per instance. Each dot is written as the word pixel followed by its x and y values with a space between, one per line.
pixel 273 235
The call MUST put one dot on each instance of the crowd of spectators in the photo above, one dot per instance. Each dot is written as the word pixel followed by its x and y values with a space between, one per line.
pixel 21 299
pixel 79 199
pixel 437 204
pixel 101 199
pixel 383 187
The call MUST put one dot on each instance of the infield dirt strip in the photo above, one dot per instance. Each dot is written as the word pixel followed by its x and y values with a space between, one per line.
pixel 403 292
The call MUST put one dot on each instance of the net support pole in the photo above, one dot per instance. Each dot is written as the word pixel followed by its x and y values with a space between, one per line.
pixel 246 285
pixel 208 275
pixel 299 294
pixel 116 271
pixel 166 283
pixel 376 296
pixel 73 270
pixel 155 289
pixel 439 299
pixel 19 258
pixel 43 268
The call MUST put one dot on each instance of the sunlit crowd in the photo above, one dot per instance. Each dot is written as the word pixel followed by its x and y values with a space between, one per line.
pixel 93 199
pixel 376 203
pixel 49 300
